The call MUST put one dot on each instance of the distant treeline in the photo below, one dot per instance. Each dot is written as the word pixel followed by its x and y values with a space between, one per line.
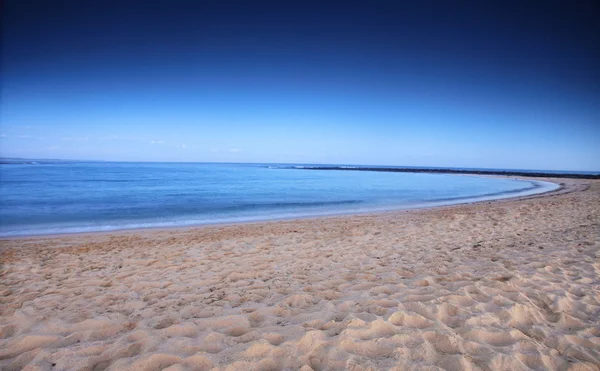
pixel 456 171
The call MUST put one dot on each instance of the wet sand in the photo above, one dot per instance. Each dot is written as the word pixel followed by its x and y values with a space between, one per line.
pixel 502 285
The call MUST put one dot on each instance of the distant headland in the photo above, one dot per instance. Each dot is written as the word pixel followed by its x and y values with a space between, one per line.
pixel 533 173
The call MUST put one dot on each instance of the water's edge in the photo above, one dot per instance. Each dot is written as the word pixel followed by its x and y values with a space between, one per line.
pixel 536 188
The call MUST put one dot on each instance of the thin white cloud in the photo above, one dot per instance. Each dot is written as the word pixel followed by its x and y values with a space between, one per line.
pixel 27 136
pixel 224 150
pixel 131 139
pixel 157 142
pixel 181 146
pixel 76 139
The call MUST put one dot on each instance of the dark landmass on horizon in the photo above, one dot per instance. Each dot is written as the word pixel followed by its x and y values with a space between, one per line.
pixel 535 174
pixel 408 169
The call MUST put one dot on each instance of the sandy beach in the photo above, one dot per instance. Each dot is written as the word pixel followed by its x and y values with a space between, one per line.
pixel 502 285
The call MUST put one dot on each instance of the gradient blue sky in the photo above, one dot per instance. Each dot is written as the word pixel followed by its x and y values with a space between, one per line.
pixel 503 86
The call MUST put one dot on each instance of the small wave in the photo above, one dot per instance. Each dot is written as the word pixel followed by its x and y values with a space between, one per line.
pixel 284 205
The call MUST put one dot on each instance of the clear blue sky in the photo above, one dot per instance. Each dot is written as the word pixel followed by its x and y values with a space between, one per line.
pixel 514 86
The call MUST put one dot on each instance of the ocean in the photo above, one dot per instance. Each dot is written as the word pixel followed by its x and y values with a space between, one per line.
pixel 68 197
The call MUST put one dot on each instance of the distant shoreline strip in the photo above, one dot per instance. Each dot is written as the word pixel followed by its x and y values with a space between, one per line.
pixel 451 171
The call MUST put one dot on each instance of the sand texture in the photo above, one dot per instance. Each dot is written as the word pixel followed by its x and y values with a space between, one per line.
pixel 506 285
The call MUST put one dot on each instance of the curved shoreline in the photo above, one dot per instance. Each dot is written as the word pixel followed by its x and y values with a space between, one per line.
pixel 509 195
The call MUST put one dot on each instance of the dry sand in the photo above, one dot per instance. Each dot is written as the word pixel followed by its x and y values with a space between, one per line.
pixel 505 285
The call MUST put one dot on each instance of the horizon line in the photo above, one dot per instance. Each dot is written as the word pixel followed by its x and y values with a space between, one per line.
pixel 291 163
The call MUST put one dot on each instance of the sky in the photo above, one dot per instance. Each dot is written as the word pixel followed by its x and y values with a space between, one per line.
pixel 509 85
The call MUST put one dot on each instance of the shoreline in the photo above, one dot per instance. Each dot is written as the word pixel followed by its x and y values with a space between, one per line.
pixel 342 214
pixel 505 284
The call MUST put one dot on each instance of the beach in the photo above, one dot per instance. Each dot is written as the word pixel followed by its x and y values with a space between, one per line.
pixel 511 284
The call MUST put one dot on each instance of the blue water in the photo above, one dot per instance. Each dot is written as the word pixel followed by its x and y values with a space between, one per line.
pixel 81 197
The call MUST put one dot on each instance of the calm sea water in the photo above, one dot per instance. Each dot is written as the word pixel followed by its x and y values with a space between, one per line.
pixel 78 197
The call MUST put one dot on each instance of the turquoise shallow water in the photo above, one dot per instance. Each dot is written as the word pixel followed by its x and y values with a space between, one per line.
pixel 83 197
